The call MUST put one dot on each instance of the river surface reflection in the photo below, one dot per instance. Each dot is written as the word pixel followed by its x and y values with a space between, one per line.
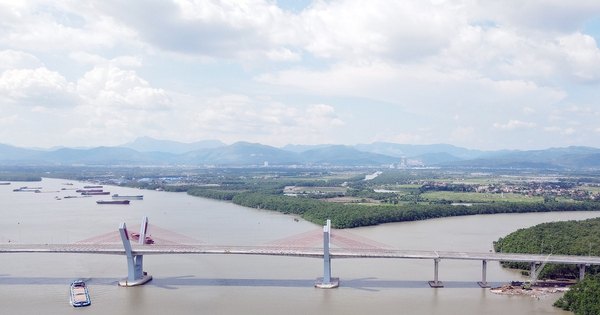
pixel 239 284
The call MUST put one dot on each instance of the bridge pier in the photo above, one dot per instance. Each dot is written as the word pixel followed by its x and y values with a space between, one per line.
pixel 436 283
pixel 581 271
pixel 483 283
pixel 327 282
pixel 533 273
pixel 135 263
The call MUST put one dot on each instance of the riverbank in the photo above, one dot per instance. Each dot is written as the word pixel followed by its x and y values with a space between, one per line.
pixel 534 291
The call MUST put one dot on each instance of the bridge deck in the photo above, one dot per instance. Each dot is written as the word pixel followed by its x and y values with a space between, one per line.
pixel 117 249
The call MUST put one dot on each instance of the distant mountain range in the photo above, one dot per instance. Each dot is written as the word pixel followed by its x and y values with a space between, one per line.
pixel 147 151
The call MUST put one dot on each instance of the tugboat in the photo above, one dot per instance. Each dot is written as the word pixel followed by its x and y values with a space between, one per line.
pixel 79 294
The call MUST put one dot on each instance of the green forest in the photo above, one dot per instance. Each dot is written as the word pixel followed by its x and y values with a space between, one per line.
pixel 355 215
pixel 559 238
pixel 349 215
pixel 582 298
pixel 364 206
pixel 562 238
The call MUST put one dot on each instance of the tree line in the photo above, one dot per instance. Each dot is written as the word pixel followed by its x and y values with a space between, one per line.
pixel 580 238
pixel 582 298
pixel 355 215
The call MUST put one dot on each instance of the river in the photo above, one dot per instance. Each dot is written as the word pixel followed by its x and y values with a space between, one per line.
pixel 239 284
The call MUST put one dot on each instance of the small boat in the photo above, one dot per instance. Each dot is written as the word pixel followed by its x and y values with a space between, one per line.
pixel 79 294
pixel 138 197
pixel 112 202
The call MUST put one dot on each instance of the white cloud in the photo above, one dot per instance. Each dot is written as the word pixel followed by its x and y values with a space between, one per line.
pixel 320 115
pixel 463 133
pixel 553 129
pixel 58 26
pixel 234 70
pixel 528 110
pixel 533 15
pixel 36 86
pixel 562 131
pixel 406 138
pixel 110 86
pixel 582 55
pixel 239 117
pixel 242 30
pixel 11 59
pixel 514 124
pixel 391 29
pixel 569 131
pixel 283 54
pixel 86 58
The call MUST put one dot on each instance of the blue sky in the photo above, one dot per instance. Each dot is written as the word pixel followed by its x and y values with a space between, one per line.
pixel 477 74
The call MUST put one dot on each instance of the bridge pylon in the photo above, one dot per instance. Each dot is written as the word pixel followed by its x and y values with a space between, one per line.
pixel 327 282
pixel 135 263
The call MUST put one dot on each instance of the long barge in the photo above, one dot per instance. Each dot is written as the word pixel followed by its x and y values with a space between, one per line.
pixel 79 294
pixel 137 197
pixel 94 193
pixel 112 202
pixel 88 190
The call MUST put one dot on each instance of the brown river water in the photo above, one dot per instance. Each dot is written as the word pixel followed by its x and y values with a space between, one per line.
pixel 240 284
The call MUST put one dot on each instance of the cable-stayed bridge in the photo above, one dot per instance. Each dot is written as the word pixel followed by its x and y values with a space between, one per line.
pixel 326 244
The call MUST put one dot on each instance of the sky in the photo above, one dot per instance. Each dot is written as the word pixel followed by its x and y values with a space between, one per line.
pixel 478 74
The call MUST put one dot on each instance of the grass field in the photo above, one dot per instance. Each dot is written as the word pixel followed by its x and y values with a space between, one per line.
pixel 590 189
pixel 301 189
pixel 479 197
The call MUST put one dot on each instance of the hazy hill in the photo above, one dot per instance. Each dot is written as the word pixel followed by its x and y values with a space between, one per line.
pixel 147 144
pixel 344 155
pixel 240 153
pixel 412 150
pixel 99 156
pixel 299 148
pixel 579 160
pixel 436 158
pixel 542 155
pixel 10 153
pixel 213 152
pixel 553 158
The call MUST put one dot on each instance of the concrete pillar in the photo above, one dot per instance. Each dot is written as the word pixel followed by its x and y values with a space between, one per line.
pixel 143 231
pixel 483 282
pixel 135 263
pixel 327 282
pixel 581 271
pixel 436 283
pixel 326 257
pixel 532 273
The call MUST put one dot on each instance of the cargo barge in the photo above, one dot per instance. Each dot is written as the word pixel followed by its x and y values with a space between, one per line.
pixel 79 294
pixel 112 202
pixel 137 197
